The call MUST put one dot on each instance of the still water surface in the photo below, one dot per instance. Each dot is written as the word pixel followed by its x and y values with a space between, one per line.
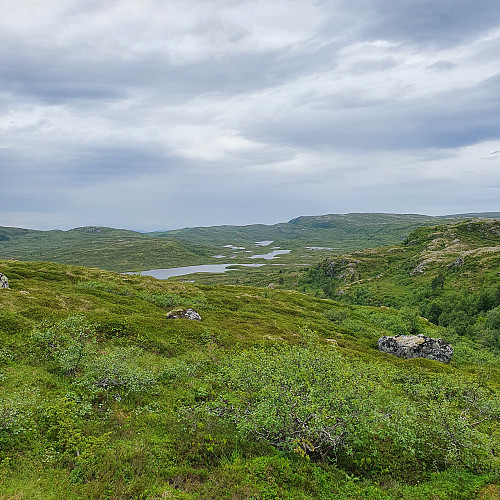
pixel 163 274
pixel 270 255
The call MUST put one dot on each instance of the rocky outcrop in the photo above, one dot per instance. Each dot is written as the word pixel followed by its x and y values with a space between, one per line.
pixel 416 346
pixel 4 282
pixel 420 269
pixel 457 263
pixel 184 313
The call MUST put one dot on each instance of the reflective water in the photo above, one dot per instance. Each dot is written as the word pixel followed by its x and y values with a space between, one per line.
pixel 163 274
pixel 270 255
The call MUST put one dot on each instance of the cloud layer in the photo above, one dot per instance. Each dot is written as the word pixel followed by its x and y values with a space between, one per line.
pixel 157 115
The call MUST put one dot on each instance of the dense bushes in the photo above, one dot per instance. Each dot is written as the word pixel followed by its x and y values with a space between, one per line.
pixel 107 398
pixel 369 419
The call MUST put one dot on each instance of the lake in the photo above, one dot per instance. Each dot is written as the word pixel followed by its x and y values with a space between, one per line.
pixel 163 274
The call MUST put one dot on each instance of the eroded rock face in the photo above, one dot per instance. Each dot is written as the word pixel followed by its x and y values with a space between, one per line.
pixel 184 313
pixel 416 346
pixel 4 282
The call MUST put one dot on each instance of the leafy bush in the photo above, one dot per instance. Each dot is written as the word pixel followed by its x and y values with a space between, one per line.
pixel 337 315
pixel 66 344
pixel 370 419
pixel 296 398
pixel 117 371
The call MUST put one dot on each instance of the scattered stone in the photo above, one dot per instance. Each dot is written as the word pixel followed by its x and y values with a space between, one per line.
pixel 183 313
pixel 23 292
pixel 108 382
pixel 4 282
pixel 420 269
pixel 457 263
pixel 271 285
pixel 416 346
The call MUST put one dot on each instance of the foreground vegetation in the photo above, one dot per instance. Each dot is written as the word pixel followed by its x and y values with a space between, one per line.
pixel 274 394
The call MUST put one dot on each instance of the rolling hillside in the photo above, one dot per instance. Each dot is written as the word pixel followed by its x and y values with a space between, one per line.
pixel 106 248
pixel 309 239
pixel 273 394
pixel 342 231
pixel 449 273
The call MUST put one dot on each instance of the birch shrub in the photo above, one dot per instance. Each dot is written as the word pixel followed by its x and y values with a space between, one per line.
pixel 371 419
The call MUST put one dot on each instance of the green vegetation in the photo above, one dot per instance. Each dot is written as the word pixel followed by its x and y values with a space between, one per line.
pixel 121 250
pixel 448 274
pixel 106 248
pixel 274 394
pixel 342 231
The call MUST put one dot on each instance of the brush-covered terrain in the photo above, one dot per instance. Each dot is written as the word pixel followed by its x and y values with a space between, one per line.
pixel 449 274
pixel 273 395
pixel 94 246
pixel 344 231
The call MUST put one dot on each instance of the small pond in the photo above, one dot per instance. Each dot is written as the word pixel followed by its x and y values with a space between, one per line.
pixel 270 255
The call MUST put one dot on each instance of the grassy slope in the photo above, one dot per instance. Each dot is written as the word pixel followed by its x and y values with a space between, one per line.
pixel 147 452
pixel 398 271
pixel 450 273
pixel 342 231
pixel 106 248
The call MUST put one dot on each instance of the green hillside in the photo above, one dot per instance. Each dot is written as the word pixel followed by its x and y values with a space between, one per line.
pixel 273 394
pixel 342 231
pixel 449 273
pixel 106 248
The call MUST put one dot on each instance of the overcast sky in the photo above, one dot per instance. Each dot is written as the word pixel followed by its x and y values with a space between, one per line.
pixel 147 114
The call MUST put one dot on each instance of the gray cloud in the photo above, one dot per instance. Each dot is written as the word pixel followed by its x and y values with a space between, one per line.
pixel 245 111
pixel 442 66
pixel 442 23
pixel 452 119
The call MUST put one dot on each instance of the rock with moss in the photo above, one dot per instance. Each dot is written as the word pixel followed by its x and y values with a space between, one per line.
pixel 4 282
pixel 416 346
pixel 183 313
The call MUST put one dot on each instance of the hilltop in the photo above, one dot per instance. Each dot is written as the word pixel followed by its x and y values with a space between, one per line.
pixel 344 231
pixel 103 247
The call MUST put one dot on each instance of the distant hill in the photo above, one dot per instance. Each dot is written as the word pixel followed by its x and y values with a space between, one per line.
pixel 103 247
pixel 124 250
pixel 355 230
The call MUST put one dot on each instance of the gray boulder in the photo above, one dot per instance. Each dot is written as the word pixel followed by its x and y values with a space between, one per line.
pixel 457 263
pixel 184 313
pixel 416 346
pixel 4 282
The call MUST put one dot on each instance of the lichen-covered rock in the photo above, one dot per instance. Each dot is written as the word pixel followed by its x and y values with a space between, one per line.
pixel 183 313
pixel 416 346
pixel 457 263
pixel 4 282
pixel 420 269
